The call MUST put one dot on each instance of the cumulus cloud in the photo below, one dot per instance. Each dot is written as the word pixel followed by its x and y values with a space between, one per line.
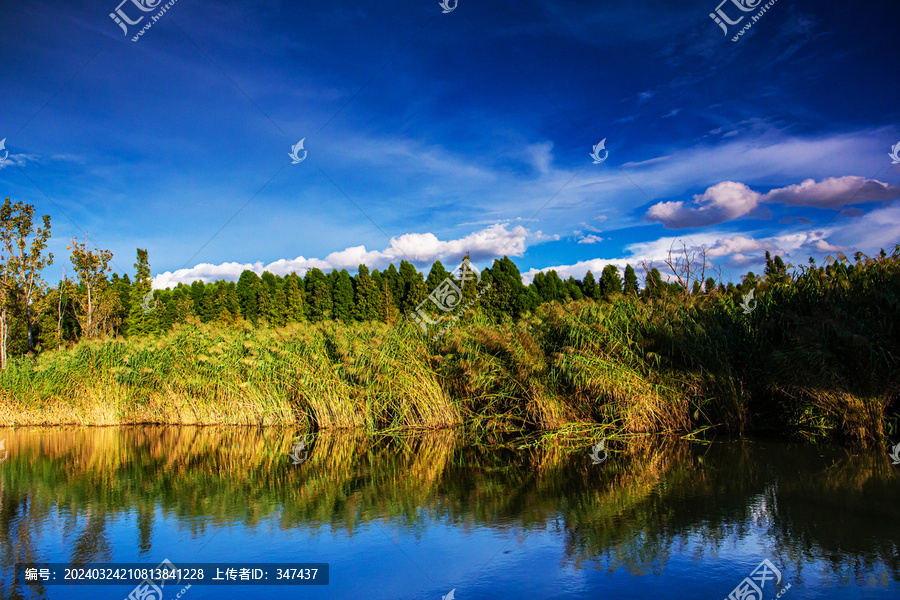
pixel 731 200
pixel 722 202
pixel 834 192
pixel 421 249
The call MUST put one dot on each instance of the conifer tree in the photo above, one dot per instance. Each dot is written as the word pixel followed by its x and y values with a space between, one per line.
pixel 589 286
pixel 142 318
pixel 610 283
pixel 366 306
pixel 248 288
pixel 631 282
pixel 342 296
pixel 318 295
pixel 293 291
pixel 507 294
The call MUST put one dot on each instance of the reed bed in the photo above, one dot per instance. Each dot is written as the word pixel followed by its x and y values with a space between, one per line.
pixel 817 356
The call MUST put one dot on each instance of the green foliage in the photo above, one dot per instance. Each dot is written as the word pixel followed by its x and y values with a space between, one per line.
pixel 248 288
pixel 630 287
pixel 95 299
pixel 366 294
pixel 142 317
pixel 610 282
pixel 507 295
pixel 343 295
pixel 589 286
pixel 319 295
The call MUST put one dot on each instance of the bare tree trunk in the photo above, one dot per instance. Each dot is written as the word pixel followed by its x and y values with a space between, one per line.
pixel 4 325
pixel 59 318
pixel 90 313
pixel 28 320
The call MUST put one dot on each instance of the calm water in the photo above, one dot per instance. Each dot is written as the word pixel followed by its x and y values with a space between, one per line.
pixel 406 518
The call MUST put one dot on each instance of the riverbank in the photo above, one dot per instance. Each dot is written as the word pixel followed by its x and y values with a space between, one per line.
pixel 805 362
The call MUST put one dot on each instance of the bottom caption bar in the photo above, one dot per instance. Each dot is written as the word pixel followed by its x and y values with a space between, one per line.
pixel 167 573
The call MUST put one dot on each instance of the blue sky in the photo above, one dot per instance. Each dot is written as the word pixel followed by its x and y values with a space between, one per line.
pixel 430 134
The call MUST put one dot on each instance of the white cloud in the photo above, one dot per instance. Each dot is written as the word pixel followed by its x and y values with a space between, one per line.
pixel 730 200
pixel 834 192
pixel 422 249
pixel 540 156
pixel 590 239
pixel 18 160
pixel 722 202
pixel 733 251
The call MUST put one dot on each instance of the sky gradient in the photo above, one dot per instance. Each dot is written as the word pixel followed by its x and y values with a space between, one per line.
pixel 430 134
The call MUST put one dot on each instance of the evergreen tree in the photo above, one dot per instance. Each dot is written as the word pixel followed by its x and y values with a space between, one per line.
pixel 436 275
pixel 392 278
pixel 204 306
pixel 271 300
pixel 142 318
pixel 573 290
pixel 293 291
pixel 318 295
pixel 508 293
pixel 413 287
pixel 467 275
pixel 531 299
pixel 366 306
pixel 610 283
pixel 248 287
pixel 342 296
pixel 589 286
pixel 630 287
pixel 550 287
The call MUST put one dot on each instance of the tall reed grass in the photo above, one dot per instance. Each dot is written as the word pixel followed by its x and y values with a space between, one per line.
pixel 818 355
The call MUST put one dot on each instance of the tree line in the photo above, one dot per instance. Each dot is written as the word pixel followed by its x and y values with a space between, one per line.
pixel 94 301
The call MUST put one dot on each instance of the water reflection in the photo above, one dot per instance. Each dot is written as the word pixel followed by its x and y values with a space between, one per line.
pixel 832 512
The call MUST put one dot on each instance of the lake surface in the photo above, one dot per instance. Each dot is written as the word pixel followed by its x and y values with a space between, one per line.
pixel 415 517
